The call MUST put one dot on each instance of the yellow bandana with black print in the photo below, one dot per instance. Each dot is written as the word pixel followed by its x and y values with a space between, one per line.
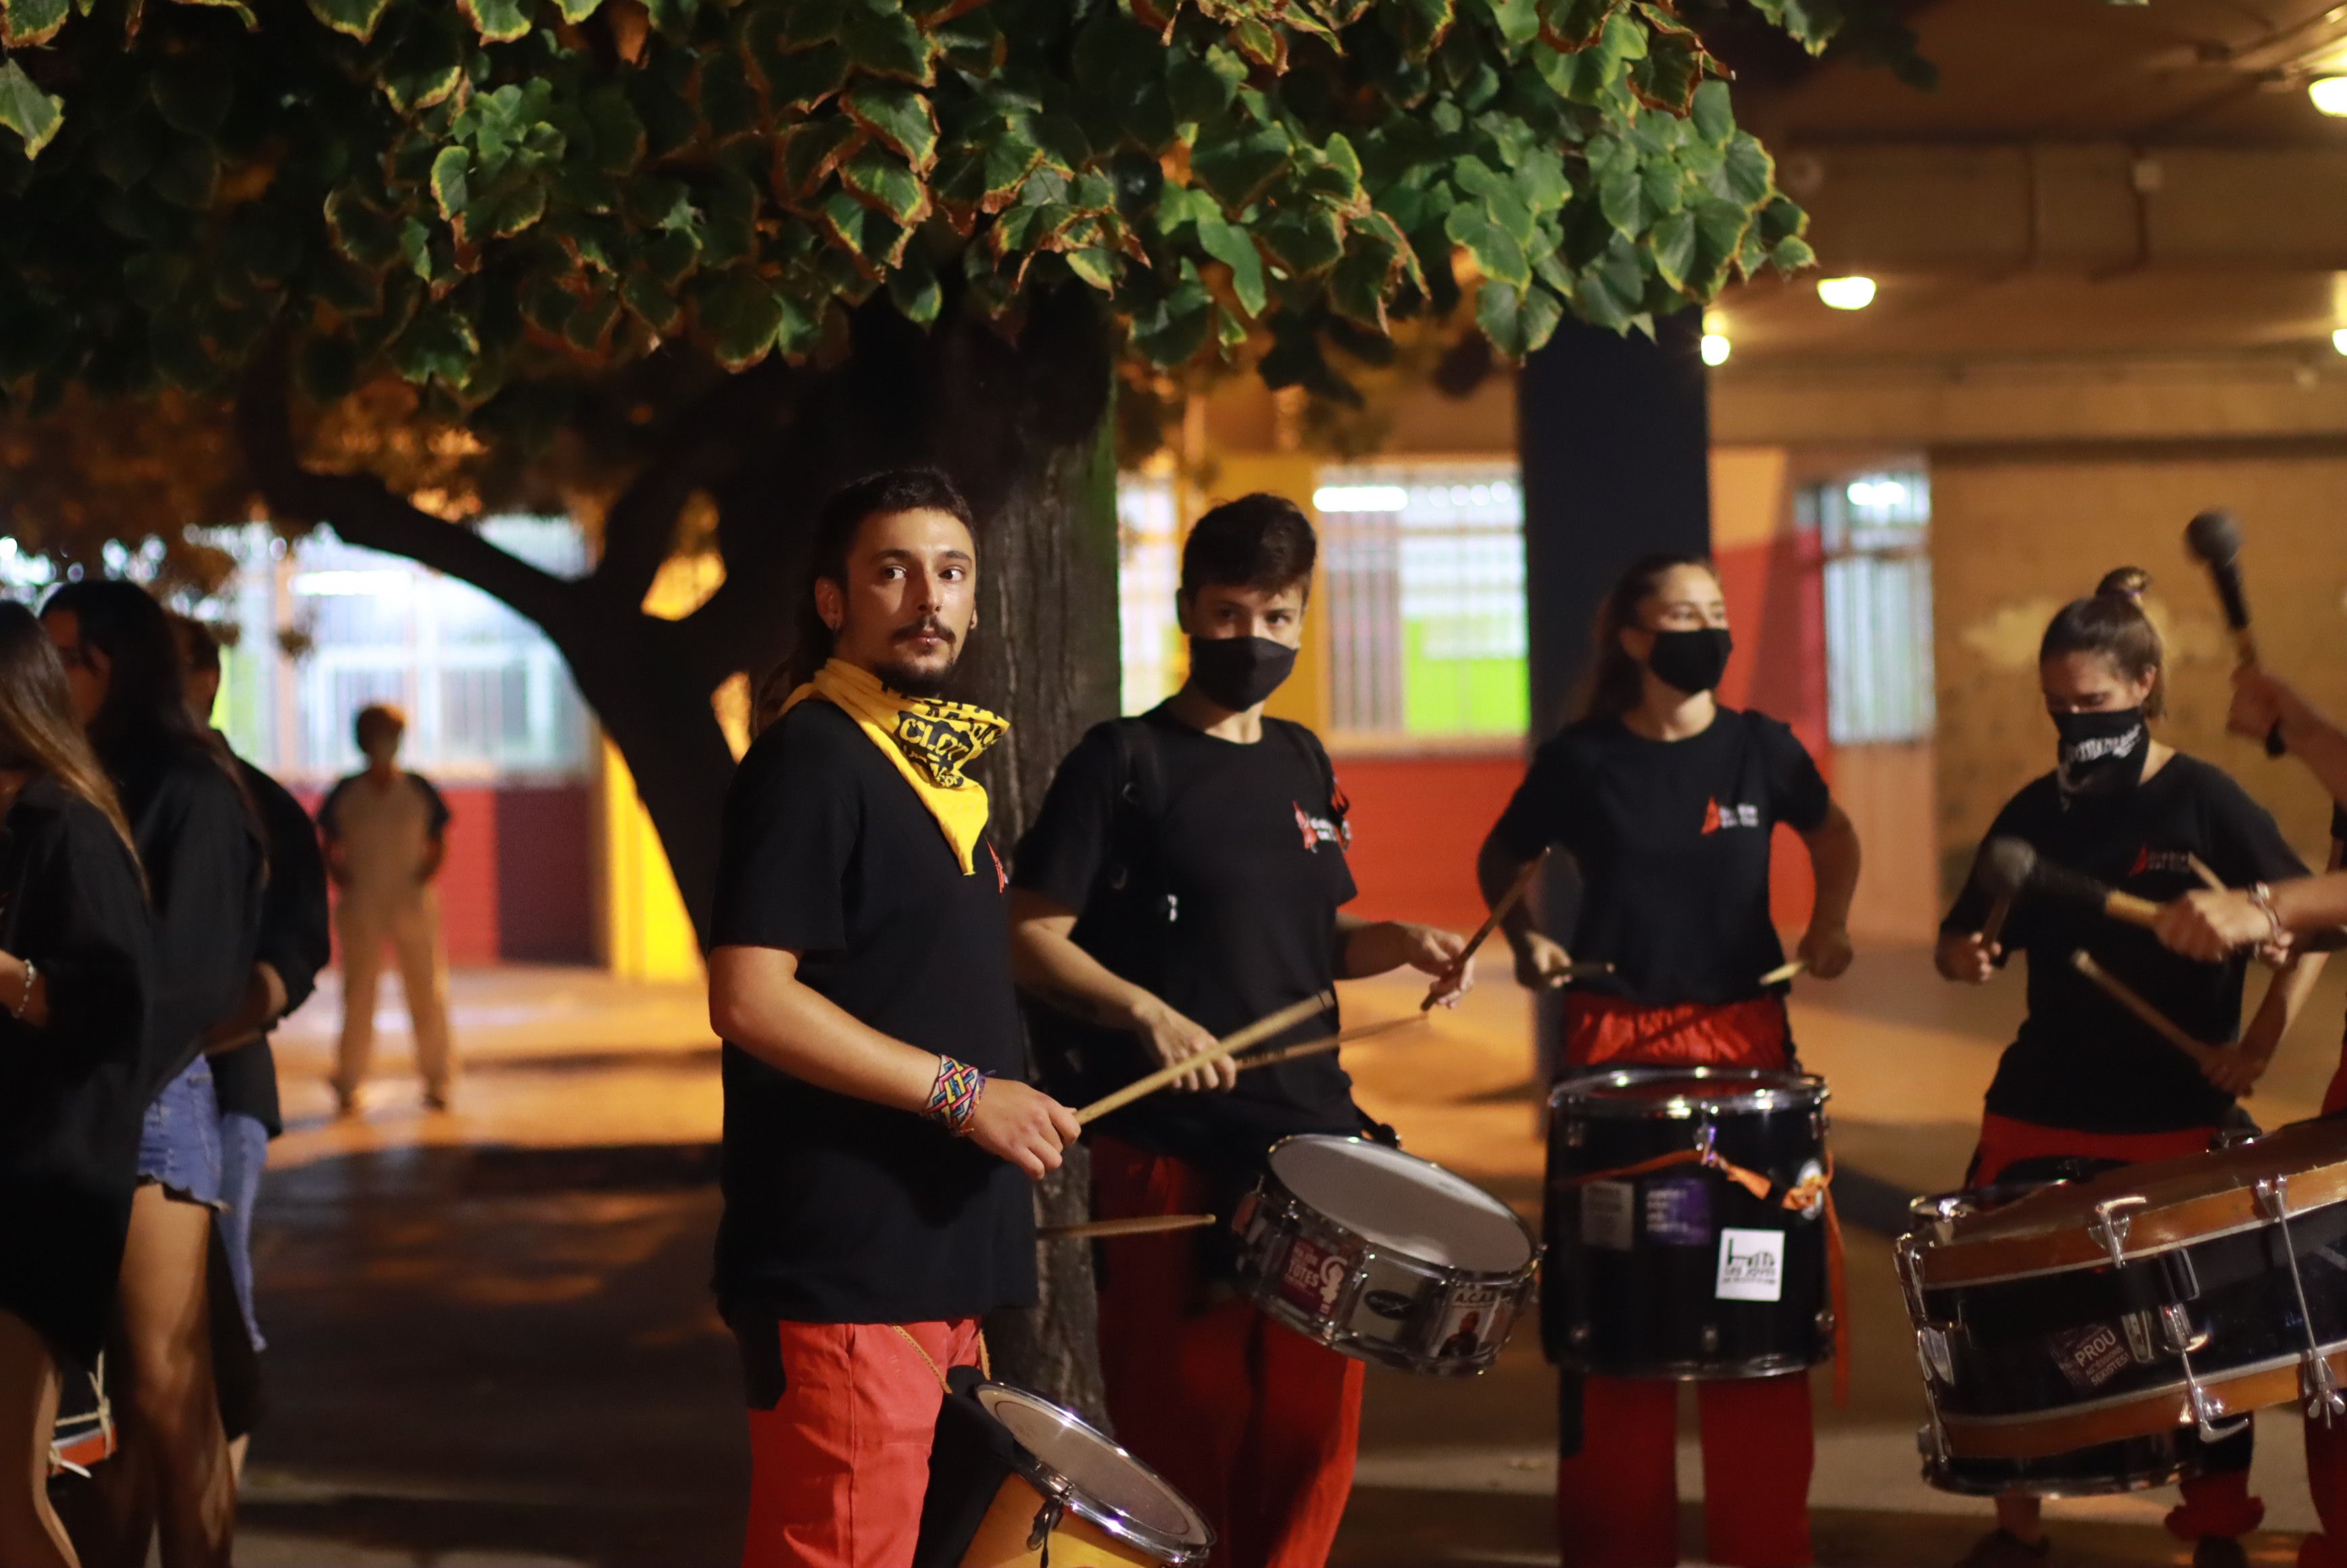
pixel 929 740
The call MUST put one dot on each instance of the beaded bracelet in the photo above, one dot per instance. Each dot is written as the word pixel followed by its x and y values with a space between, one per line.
pixel 24 999
pixel 953 1099
pixel 2261 896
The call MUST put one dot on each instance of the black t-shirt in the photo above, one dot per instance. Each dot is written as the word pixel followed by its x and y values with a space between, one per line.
pixel 294 941
pixel 838 1210
pixel 1671 839
pixel 1221 896
pixel 2081 1060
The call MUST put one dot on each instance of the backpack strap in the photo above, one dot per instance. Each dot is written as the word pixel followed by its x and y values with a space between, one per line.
pixel 1316 755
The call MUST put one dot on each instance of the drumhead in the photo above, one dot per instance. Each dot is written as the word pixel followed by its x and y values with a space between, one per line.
pixel 1398 1200
pixel 1103 1484
pixel 1673 1092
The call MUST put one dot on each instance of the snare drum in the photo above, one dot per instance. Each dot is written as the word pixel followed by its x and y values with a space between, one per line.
pixel 2173 1295
pixel 1076 1500
pixel 1383 1256
pixel 1660 1267
pixel 84 1434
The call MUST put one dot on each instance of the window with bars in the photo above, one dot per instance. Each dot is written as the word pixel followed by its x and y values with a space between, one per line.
pixel 1875 530
pixel 1148 573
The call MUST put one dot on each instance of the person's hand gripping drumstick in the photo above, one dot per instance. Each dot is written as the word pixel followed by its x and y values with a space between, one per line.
pixel 2234 1071
pixel 1453 981
pixel 1262 1029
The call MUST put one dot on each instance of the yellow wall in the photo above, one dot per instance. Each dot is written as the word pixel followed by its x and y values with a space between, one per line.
pixel 2015 534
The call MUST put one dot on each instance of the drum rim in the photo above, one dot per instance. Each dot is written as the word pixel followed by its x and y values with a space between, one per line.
pixel 1773 1088
pixel 1038 1473
pixel 1525 1270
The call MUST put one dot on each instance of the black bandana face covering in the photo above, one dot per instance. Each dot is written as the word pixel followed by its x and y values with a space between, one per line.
pixel 1237 672
pixel 2102 752
pixel 1691 660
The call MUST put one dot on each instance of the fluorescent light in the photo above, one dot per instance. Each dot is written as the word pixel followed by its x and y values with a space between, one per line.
pixel 1851 293
pixel 2338 340
pixel 1360 498
pixel 2328 94
pixel 1876 493
pixel 337 584
pixel 1716 348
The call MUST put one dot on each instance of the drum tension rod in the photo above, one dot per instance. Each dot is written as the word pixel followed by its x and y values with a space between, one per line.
pixel 2113 1216
pixel 2177 1322
pixel 2315 1380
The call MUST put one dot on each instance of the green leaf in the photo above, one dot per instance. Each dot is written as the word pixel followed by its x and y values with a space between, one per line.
pixel 1672 245
pixel 1792 254
pixel 356 17
pixel 1713 117
pixel 799 81
pixel 31 113
pixel 1306 242
pixel 1238 166
pixel 440 345
pixel 498 21
pixel 882 41
pixel 26 23
pixel 1094 266
pixel 618 129
pixel 1518 21
pixel 426 65
pixel 1228 243
pixel 651 301
pixel 1749 173
pixel 739 317
pixel 505 214
pixel 1517 323
pixel 577 11
pixel 899 117
pixel 449 189
pixel 1573 25
pixel 886 185
pixel 729 105
pixel 1421 24
pixel 913 290
pixel 1611 288
pixel 1497 252
pixel 806 153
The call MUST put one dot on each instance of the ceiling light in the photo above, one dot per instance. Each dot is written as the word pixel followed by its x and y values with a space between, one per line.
pixel 1359 498
pixel 2338 340
pixel 1851 293
pixel 1716 348
pixel 2328 94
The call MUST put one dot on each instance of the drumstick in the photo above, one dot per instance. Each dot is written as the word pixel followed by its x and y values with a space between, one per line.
pixel 1516 890
pixel 1783 972
pixel 2207 1055
pixel 1595 969
pixel 1143 1225
pixel 2208 879
pixel 1262 1028
pixel 1329 1042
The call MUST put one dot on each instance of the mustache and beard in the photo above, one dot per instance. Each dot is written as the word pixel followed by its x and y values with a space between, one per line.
pixel 932 673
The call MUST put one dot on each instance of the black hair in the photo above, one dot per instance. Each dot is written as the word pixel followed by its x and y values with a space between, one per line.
pixel 2113 625
pixel 1259 541
pixel 146 705
pixel 200 642
pixel 1617 683
pixel 374 715
pixel 880 495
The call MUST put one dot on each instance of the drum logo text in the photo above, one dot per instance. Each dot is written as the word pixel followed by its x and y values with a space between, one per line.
pixel 2091 1357
pixel 1751 1265
pixel 1313 1279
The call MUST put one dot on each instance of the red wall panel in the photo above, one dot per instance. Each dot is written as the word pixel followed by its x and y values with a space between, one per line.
pixel 1417 823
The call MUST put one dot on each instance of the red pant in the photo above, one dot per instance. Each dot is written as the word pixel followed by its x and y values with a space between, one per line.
pixel 1617 1500
pixel 1255 1424
pixel 2216 1503
pixel 1601 1030
pixel 839 1465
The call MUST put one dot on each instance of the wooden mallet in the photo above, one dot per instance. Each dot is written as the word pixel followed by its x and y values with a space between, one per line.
pixel 2214 538
pixel 1262 1029
pixel 2011 866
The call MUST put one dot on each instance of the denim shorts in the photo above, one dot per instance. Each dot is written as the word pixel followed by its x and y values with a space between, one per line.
pixel 180 1144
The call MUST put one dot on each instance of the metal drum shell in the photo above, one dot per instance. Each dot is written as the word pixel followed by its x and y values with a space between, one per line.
pixel 1271 1218
pixel 1773 1122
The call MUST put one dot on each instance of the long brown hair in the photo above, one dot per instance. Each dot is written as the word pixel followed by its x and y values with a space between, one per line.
pixel 2113 625
pixel 1617 683
pixel 38 732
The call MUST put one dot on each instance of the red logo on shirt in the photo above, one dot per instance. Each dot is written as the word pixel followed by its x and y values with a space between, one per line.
pixel 1717 816
pixel 2150 859
pixel 1320 830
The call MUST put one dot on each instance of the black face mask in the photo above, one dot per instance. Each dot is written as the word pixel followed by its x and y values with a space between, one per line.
pixel 2102 751
pixel 1692 661
pixel 1237 672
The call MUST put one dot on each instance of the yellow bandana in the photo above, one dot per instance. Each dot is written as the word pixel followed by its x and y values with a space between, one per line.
pixel 929 739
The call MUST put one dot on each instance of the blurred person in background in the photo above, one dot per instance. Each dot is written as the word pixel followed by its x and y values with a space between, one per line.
pixel 385 836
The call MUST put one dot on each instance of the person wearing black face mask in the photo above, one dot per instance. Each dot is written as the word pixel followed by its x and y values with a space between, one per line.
pixel 1184 877
pixel 2084 1085
pixel 1664 802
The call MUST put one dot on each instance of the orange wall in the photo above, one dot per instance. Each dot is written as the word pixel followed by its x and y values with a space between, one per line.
pixel 1417 822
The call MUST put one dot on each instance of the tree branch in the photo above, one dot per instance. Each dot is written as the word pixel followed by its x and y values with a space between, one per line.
pixel 364 511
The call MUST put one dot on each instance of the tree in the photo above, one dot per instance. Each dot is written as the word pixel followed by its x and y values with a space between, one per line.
pixel 679 266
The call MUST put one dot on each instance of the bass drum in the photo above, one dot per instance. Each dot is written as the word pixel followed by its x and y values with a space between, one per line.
pixel 2132 1464
pixel 1657 1265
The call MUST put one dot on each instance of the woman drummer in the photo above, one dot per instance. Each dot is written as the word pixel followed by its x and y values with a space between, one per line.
pixel 1665 801
pixel 74 973
pixel 2084 1082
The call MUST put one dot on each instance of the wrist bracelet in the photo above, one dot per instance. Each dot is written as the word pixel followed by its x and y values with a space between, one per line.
pixel 2262 897
pixel 24 998
pixel 953 1097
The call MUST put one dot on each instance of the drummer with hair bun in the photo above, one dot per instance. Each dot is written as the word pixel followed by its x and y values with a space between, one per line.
pixel 2085 1085
pixel 1665 802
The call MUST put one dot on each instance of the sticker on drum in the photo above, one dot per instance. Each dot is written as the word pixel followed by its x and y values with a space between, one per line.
pixel 2090 1356
pixel 1811 1171
pixel 1609 1215
pixel 1312 1278
pixel 1476 1315
pixel 1679 1212
pixel 1751 1265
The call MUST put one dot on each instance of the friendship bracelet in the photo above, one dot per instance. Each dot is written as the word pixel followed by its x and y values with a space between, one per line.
pixel 2262 897
pixel 953 1099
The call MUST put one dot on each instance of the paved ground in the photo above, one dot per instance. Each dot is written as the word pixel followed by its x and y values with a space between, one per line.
pixel 492 1346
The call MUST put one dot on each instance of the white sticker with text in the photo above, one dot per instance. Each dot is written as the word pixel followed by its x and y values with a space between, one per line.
pixel 1751 1265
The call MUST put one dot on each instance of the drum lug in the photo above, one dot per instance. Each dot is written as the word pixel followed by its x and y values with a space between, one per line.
pixel 2316 1383
pixel 2176 1324
pixel 2113 1216
pixel 1047 1520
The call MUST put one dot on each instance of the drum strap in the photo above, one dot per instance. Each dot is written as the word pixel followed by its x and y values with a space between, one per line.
pixel 985 1364
pixel 1817 1189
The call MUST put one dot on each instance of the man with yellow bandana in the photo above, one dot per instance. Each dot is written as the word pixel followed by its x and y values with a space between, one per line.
pixel 880 1133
